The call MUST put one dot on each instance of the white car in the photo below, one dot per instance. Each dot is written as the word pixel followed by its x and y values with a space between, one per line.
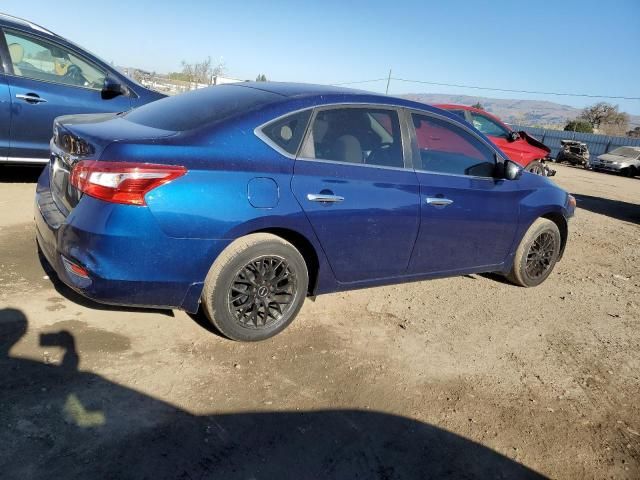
pixel 625 160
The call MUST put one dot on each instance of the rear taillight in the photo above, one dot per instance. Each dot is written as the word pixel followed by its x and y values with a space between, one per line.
pixel 122 182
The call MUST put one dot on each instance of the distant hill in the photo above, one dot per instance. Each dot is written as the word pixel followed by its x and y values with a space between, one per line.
pixel 522 112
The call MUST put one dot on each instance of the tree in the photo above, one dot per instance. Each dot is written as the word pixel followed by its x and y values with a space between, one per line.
pixel 606 118
pixel 477 105
pixel 202 72
pixel 261 78
pixel 578 125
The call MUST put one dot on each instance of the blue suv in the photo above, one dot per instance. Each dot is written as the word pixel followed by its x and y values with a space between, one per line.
pixel 43 76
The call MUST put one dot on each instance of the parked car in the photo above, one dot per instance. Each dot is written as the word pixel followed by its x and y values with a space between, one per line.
pixel 573 152
pixel 246 198
pixel 43 76
pixel 520 147
pixel 624 160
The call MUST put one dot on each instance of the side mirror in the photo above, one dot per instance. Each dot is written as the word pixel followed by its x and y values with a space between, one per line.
pixel 513 136
pixel 512 171
pixel 112 88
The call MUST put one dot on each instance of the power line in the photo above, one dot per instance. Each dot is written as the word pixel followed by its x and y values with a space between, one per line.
pixel 563 94
pixel 476 87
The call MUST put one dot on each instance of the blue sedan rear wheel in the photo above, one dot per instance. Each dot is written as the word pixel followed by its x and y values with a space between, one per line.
pixel 255 288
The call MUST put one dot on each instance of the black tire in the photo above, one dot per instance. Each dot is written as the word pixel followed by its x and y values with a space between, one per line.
pixel 536 167
pixel 268 278
pixel 537 254
pixel 627 172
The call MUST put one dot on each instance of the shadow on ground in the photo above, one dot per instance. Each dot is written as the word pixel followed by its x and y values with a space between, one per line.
pixel 20 173
pixel 59 422
pixel 628 212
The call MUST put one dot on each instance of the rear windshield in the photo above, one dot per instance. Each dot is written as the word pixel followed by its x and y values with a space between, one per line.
pixel 194 109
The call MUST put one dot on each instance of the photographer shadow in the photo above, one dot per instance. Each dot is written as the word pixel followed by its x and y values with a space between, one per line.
pixel 61 422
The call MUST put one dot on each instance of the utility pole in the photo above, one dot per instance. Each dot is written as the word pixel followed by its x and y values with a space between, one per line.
pixel 388 82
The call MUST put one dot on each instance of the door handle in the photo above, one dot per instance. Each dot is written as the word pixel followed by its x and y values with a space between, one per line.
pixel 31 98
pixel 321 197
pixel 438 202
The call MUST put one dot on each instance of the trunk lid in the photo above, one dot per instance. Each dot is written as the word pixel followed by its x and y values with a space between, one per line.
pixel 84 137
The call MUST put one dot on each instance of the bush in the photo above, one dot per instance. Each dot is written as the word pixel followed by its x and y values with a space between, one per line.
pixel 578 126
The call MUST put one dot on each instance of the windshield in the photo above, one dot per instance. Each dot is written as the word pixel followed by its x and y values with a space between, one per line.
pixel 488 126
pixel 625 152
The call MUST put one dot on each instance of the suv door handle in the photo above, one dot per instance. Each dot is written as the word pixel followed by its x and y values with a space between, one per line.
pixel 438 202
pixel 31 98
pixel 321 197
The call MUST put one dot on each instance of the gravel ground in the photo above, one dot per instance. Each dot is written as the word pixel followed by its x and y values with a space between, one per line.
pixel 466 377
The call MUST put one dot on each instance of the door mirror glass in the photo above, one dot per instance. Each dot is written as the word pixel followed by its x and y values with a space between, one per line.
pixel 512 171
pixel 513 136
pixel 112 88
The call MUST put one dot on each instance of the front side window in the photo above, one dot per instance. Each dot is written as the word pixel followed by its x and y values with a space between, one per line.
pixel 367 136
pixel 447 148
pixel 287 132
pixel 41 60
pixel 488 126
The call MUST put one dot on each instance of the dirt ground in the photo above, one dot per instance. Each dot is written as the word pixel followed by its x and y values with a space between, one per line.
pixel 467 377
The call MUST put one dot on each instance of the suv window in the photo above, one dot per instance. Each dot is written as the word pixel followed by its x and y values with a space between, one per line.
pixel 42 60
pixel 488 126
pixel 287 132
pixel 360 135
pixel 447 148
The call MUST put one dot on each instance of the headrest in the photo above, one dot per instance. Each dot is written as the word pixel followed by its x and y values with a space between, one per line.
pixel 16 52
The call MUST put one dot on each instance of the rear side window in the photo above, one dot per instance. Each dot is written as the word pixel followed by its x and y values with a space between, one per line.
pixel 447 148
pixel 359 135
pixel 200 107
pixel 287 132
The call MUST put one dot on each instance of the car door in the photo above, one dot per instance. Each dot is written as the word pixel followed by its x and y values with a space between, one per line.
pixel 362 201
pixel 468 217
pixel 47 80
pixel 5 116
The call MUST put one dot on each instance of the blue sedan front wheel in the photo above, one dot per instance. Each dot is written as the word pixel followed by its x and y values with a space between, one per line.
pixel 537 254
pixel 255 288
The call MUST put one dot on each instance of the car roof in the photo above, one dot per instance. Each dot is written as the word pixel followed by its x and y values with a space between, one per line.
pixel 10 20
pixel 328 94
pixel 454 106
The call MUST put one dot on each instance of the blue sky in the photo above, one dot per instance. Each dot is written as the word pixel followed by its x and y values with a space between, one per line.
pixel 562 46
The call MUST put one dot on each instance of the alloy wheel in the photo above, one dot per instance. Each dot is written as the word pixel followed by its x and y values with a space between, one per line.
pixel 540 255
pixel 262 292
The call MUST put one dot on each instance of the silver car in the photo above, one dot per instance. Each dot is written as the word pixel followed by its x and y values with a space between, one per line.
pixel 624 160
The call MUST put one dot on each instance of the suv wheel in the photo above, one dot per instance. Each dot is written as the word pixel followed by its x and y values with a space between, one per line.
pixel 255 288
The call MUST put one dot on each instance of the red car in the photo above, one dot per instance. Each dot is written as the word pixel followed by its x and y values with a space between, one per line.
pixel 518 146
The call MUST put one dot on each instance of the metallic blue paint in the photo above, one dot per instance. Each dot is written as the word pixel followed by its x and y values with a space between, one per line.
pixel 383 232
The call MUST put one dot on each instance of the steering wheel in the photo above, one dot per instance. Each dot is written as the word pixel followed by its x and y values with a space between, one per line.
pixel 74 74
pixel 379 154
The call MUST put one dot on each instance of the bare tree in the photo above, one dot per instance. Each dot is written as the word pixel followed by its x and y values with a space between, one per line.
pixel 204 71
pixel 606 118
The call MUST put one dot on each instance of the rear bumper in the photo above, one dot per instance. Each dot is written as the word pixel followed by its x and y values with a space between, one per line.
pixel 130 261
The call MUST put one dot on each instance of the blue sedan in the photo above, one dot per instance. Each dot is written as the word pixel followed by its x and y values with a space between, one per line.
pixel 244 199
